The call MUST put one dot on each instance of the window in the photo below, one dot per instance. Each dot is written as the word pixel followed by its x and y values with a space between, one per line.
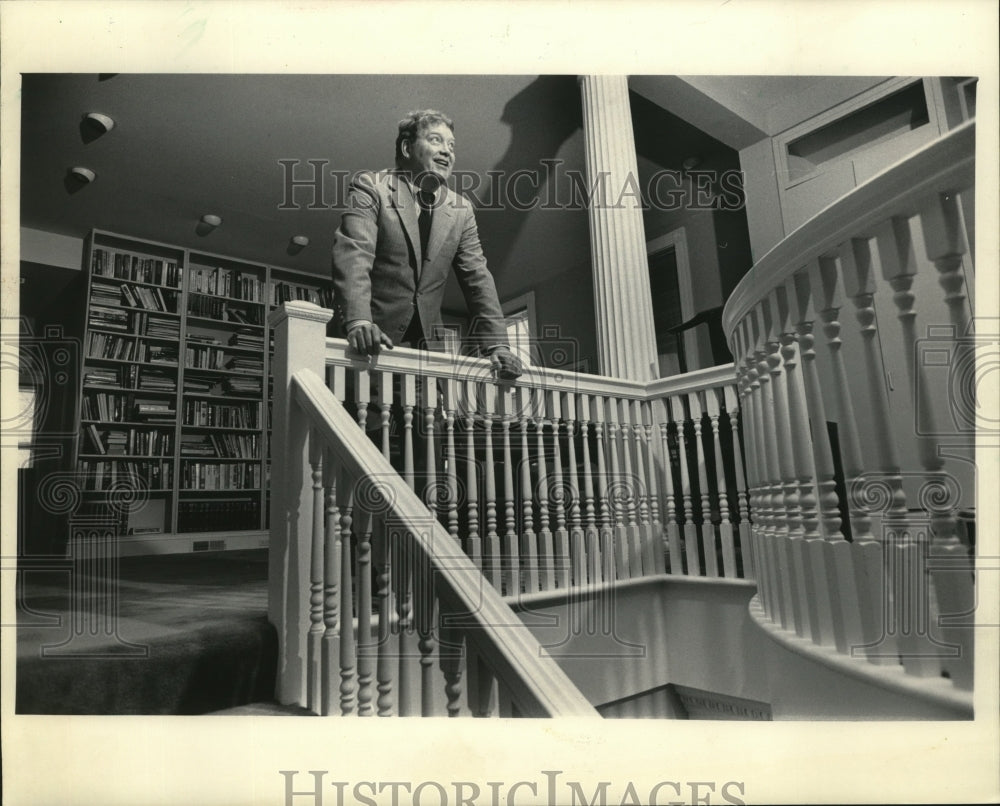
pixel 522 327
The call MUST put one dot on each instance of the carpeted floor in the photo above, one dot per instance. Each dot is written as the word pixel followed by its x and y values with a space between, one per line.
pixel 176 634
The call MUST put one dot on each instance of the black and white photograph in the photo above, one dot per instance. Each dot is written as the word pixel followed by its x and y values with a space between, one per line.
pixel 538 402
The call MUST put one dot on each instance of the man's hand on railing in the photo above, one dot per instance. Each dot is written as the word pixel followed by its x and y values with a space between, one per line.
pixel 367 338
pixel 506 366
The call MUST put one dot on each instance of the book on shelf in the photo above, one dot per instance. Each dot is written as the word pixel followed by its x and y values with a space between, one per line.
pixel 100 475
pixel 108 318
pixel 199 357
pixel 225 282
pixel 282 291
pixel 159 354
pixel 137 268
pixel 247 339
pixel 95 439
pixel 245 364
pixel 94 376
pixel 220 476
pixel 242 386
pixel 222 415
pixel 217 516
pixel 106 345
pixel 148 324
pixel 157 380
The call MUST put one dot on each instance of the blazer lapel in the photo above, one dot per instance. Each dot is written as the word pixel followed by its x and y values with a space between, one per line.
pixel 406 208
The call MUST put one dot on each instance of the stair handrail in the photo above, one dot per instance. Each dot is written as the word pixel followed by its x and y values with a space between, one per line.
pixel 537 685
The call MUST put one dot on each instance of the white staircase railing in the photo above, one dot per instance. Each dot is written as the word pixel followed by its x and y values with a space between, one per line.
pixel 881 565
pixel 561 481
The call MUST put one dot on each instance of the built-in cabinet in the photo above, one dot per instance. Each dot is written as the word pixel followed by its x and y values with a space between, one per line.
pixel 174 392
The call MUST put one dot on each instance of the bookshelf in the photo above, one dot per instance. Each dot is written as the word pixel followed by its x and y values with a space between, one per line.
pixel 174 407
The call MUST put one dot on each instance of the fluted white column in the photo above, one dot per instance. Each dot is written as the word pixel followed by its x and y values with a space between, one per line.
pixel 624 308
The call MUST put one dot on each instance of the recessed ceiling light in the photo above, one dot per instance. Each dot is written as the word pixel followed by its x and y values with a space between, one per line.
pixel 83 174
pixel 101 121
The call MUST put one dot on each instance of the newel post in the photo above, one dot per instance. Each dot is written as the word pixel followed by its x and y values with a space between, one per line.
pixel 299 330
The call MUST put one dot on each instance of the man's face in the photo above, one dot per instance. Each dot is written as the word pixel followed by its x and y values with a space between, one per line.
pixel 432 154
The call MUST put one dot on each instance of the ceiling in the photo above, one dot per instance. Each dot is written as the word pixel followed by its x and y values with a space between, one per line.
pixel 184 145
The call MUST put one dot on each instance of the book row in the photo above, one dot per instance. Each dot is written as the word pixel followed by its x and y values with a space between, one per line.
pixel 224 282
pixel 217 516
pixel 133 296
pixel 218 476
pixel 134 377
pixel 224 311
pixel 124 348
pixel 125 407
pixel 100 474
pixel 137 268
pixel 220 415
pixel 216 358
pixel 222 446
pixel 130 442
pixel 287 292
pixel 243 386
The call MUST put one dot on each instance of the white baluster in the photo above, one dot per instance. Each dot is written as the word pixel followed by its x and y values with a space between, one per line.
pixel 529 547
pixel 345 491
pixel 331 588
pixel 645 526
pixel 945 244
pixel 473 543
pixel 605 532
pixel 670 517
pixel 450 405
pixel 577 548
pixel 432 491
pixel 366 641
pixel 546 557
pixel 733 413
pixel 725 524
pixel 630 485
pixel 558 495
pixel 384 384
pixel 385 649
pixel 491 547
pixel 316 568
pixel 617 495
pixel 692 553
pixel 425 611
pixel 403 578
pixel 765 471
pixel 707 527
pixel 510 561
pixel 649 440
pixel 591 536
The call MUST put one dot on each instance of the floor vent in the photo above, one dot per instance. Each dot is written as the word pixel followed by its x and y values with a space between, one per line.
pixel 208 545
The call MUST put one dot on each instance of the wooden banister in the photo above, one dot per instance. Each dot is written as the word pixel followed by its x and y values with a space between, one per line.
pixel 533 681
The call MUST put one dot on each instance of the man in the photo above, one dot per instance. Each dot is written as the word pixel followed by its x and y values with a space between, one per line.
pixel 401 234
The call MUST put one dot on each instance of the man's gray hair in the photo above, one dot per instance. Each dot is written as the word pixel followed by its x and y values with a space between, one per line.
pixel 416 122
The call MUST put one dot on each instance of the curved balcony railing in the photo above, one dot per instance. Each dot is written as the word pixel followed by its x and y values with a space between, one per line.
pixel 860 440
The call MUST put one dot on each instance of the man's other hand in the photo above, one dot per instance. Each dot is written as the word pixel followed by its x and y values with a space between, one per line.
pixel 506 365
pixel 368 338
